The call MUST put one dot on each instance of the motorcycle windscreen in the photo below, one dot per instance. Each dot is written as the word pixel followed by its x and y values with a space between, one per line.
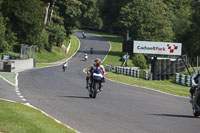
pixel 97 76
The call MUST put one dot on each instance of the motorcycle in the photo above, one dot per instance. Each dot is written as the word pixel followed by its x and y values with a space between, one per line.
pixel 97 78
pixel 196 102
pixel 84 35
pixel 91 50
pixel 86 57
pixel 64 67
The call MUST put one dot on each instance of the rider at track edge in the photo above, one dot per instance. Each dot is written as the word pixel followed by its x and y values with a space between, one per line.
pixel 86 56
pixel 91 50
pixel 84 34
pixel 195 81
pixel 97 64
pixel 64 65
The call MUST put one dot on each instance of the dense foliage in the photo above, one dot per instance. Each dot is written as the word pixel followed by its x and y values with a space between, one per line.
pixel 47 23
pixel 140 61
pixel 146 21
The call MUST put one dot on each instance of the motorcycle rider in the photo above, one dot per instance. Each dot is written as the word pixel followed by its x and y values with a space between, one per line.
pixel 91 50
pixel 86 56
pixel 97 64
pixel 64 65
pixel 84 34
pixel 195 81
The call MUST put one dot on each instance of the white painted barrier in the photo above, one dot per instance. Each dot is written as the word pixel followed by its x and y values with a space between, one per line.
pixel 67 50
pixel 20 65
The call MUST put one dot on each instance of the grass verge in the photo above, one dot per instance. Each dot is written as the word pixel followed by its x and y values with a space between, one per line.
pixel 45 58
pixel 164 85
pixel 18 118
pixel 10 76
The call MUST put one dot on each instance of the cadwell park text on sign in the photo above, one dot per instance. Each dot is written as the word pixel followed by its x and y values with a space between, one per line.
pixel 163 48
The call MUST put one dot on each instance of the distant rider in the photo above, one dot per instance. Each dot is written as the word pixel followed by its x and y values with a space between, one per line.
pixel 64 65
pixel 195 81
pixel 91 50
pixel 97 64
pixel 86 56
pixel 84 34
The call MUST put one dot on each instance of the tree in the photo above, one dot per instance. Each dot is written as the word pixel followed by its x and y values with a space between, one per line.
pixel 140 61
pixel 2 31
pixel 191 38
pixel 90 15
pixel 25 18
pixel 146 20
pixel 57 34
pixel 70 12
pixel 110 12
pixel 179 13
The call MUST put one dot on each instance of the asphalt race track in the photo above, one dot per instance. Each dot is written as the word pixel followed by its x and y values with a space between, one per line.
pixel 118 109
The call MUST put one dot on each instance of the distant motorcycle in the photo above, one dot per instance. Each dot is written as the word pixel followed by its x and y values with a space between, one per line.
pixel 91 50
pixel 196 102
pixel 64 66
pixel 97 78
pixel 86 57
pixel 84 35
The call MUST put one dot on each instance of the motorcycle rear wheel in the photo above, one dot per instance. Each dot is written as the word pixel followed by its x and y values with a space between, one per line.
pixel 195 113
pixel 95 87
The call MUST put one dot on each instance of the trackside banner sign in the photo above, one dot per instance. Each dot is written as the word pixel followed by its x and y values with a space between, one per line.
pixel 164 48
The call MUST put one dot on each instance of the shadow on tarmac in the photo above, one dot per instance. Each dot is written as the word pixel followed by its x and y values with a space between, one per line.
pixel 174 115
pixel 76 97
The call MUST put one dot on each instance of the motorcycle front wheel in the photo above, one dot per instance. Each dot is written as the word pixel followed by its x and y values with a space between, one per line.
pixel 95 87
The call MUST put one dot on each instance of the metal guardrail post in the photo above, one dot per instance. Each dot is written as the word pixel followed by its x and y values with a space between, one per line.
pixel 183 79
pixel 146 75
pixel 138 73
pixel 188 80
pixel 131 72
pixel 121 70
pixel 177 78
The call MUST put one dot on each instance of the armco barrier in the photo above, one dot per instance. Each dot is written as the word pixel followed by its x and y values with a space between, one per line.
pixel 148 75
pixel 183 79
pixel 134 72
pixel 130 71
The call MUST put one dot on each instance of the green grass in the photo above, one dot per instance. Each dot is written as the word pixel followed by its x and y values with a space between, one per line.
pixel 42 65
pixel 10 76
pixel 57 53
pixel 191 70
pixel 18 118
pixel 165 86
pixel 43 59
pixel 74 46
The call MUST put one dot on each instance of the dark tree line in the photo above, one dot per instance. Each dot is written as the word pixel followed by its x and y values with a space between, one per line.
pixel 45 23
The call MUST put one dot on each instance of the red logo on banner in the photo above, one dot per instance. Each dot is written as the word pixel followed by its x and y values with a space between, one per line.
pixel 171 50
